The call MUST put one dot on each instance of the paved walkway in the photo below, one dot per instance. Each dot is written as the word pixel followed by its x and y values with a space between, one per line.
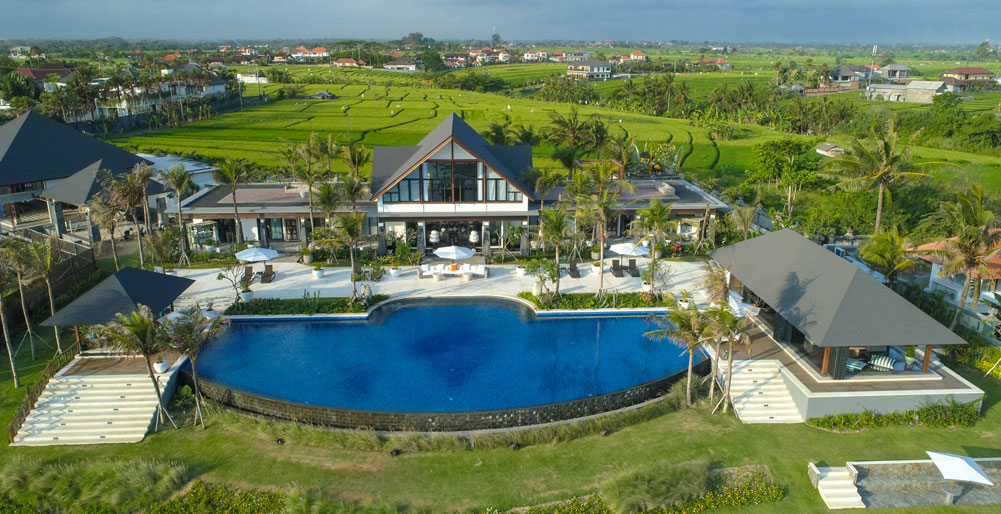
pixel 292 280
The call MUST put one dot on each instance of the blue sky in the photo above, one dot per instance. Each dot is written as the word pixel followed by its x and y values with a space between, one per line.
pixel 784 21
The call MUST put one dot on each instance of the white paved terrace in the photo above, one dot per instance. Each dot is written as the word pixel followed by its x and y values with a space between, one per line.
pixel 292 280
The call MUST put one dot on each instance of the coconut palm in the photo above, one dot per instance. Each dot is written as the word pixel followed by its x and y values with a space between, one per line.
pixel 43 257
pixel 352 190
pixel 596 211
pixel 163 245
pixel 726 327
pixel 684 327
pixel 356 157
pixel 884 162
pixel 331 148
pixel 975 240
pixel 347 230
pixel 327 199
pixel 233 173
pixel 190 334
pixel 654 223
pixel 888 252
pixel 570 130
pixel 125 193
pixel 7 279
pixel 180 180
pixel 547 179
pixel 12 252
pixel 107 217
pixel 554 229
pixel 309 178
pixel 139 333
pixel 714 283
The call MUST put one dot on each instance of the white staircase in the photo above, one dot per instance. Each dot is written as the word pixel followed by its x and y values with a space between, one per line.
pixel 80 409
pixel 838 490
pixel 759 393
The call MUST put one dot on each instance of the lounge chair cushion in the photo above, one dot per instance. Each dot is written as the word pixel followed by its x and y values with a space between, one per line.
pixel 855 365
pixel 882 363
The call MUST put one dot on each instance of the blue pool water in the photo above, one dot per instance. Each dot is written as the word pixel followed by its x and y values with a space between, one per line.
pixel 477 355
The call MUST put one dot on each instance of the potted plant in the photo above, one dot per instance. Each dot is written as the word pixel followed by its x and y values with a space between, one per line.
pixel 318 270
pixel 209 245
pixel 596 266
pixel 520 270
pixel 245 293
pixel 909 355
pixel 306 253
pixel 394 270
pixel 595 253
pixel 160 366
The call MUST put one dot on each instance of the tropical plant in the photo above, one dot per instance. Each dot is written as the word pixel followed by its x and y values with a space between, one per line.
pixel 180 180
pixel 126 192
pixel 233 173
pixel 881 164
pixel 547 179
pixel 714 283
pixel 352 190
pixel 309 178
pixel 12 252
pixel 889 252
pixel 7 279
pixel 327 199
pixel 42 258
pixel 163 247
pixel 356 156
pixel 684 327
pixel 724 325
pixel 654 223
pixel 139 333
pixel 190 334
pixel 975 240
pixel 554 229
pixel 347 230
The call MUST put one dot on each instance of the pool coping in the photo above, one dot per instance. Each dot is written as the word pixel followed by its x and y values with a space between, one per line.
pixel 438 422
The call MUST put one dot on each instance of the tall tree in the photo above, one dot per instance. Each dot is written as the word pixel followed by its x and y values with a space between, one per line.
pixel 180 180
pixel 880 164
pixel 190 334
pixel 356 156
pixel 889 252
pixel 43 257
pixel 7 279
pixel 684 327
pixel 352 190
pixel 309 178
pixel 107 217
pixel 554 229
pixel 570 130
pixel 139 333
pixel 125 192
pixel 12 254
pixel 233 173
pixel 547 179
pixel 348 230
pixel 654 223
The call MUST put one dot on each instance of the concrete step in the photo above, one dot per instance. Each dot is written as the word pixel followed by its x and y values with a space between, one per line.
pixel 98 394
pixel 97 379
pixel 838 490
pixel 771 419
pixel 94 427
pixel 87 421
pixel 76 438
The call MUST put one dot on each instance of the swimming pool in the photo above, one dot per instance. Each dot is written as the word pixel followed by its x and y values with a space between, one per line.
pixel 439 357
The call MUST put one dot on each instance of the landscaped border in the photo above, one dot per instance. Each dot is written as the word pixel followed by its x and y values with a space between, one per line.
pixel 437 421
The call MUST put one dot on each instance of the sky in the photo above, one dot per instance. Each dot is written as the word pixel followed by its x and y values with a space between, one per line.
pixel 778 21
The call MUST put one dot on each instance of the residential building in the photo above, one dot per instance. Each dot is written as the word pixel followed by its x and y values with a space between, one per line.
pixel 504 56
pixel 638 55
pixel 456 60
pixel 557 56
pixel 45 71
pixel 347 62
pixel 319 53
pixel 830 150
pixel 974 74
pixel 720 64
pixel 281 58
pixel 20 52
pixel 300 52
pixel 894 72
pixel 241 59
pixel 574 55
pixel 590 69
pixel 845 77
pixel 248 51
pixel 950 285
pixel 401 65
pixel 915 91
pixel 172 57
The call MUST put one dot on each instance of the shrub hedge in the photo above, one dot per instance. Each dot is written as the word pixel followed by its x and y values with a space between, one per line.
pixel 940 415
pixel 578 301
pixel 659 486
pixel 204 498
pixel 304 305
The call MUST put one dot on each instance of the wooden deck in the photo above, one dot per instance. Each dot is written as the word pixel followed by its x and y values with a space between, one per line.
pixel 764 347
pixel 115 365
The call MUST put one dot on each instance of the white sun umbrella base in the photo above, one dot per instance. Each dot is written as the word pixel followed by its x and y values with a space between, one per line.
pixel 454 252
pixel 959 468
pixel 255 254
pixel 629 249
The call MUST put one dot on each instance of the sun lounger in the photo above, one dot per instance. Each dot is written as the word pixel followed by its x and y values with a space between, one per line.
pixel 632 269
pixel 248 274
pixel 268 275
pixel 572 270
pixel 617 269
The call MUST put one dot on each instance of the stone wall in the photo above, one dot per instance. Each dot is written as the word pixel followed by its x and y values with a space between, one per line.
pixel 436 421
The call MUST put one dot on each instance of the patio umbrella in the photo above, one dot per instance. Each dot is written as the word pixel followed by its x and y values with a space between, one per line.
pixel 454 252
pixel 255 254
pixel 629 249
pixel 959 468
pixel 741 309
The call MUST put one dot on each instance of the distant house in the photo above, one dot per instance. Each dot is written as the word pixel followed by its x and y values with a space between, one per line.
pixel 240 59
pixel 300 52
pixel 915 91
pixel 530 56
pixel 557 56
pixel 976 74
pixel 20 52
pixel 322 95
pixel 172 57
pixel 590 69
pixel 401 65
pixel 251 78
pixel 281 58
pixel 543 55
pixel 893 72
pixel 248 51
pixel 638 55
pixel 572 56
pixel 396 55
pixel 845 76
pixel 319 53
pixel 830 150
pixel 720 64
pixel 453 61
pixel 503 56
pixel 347 62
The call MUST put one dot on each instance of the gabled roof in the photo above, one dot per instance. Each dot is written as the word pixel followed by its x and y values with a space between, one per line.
pixel 391 163
pixel 83 185
pixel 121 293
pixel 827 298
pixel 897 67
pixel 969 71
pixel 33 147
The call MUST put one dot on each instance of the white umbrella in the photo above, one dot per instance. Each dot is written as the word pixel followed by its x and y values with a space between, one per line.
pixel 255 254
pixel 741 309
pixel 629 249
pixel 454 252
pixel 956 467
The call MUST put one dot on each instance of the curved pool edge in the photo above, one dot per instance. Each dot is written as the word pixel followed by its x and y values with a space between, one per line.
pixel 465 421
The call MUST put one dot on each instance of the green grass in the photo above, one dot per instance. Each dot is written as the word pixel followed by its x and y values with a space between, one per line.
pixel 520 75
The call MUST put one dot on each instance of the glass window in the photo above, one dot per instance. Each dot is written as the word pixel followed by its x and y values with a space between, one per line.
pixel 438 181
pixel 465 176
pixel 406 190
pixel 291 230
pixel 275 230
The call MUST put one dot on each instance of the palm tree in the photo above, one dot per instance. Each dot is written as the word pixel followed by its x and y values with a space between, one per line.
pixel 43 257
pixel 162 245
pixel 12 252
pixel 554 229
pixel 684 327
pixel 356 156
pixel 653 224
pixel 567 156
pixel 570 130
pixel 744 218
pixel 547 179
pixel 189 334
pixel 888 251
pixel 139 333
pixel 348 230
pixel 309 178
pixel 125 192
pixel 496 134
pixel 232 173
pixel 327 199
pixel 7 278
pixel 180 180
pixel 331 148
pixel 726 326
pixel 880 165
pixel 106 217
pixel 352 190
pixel 975 240
pixel 714 283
